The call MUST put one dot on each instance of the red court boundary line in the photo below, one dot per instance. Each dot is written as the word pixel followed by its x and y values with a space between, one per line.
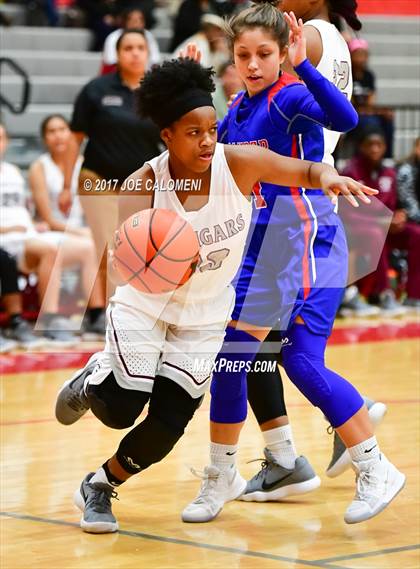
pixel 203 408
pixel 47 361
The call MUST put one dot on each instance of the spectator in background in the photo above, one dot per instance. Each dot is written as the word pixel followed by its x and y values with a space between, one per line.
pixel 100 18
pixel 131 18
pixel 210 40
pixel 364 90
pixel 46 177
pixel 228 84
pixel 368 167
pixel 119 141
pixel 33 249
pixel 19 334
pixel 189 14
pixel 408 184
pixel 364 96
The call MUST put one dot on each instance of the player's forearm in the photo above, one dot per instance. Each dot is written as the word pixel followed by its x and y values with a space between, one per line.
pixel 331 107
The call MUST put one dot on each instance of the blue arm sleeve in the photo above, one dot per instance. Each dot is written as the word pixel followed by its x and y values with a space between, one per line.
pixel 318 101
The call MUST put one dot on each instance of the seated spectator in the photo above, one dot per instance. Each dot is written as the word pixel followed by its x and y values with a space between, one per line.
pixel 210 40
pixel 228 84
pixel 364 90
pixel 364 95
pixel 408 184
pixel 368 167
pixel 32 248
pixel 130 19
pixel 46 178
pixel 190 12
pixel 19 332
pixel 100 18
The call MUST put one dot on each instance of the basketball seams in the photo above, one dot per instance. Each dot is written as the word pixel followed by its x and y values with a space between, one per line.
pixel 146 265
pixel 159 251
pixel 140 273
pixel 134 274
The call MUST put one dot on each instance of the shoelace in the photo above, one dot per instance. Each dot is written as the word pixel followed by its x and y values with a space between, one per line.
pixel 366 483
pixel 101 498
pixel 266 465
pixel 207 485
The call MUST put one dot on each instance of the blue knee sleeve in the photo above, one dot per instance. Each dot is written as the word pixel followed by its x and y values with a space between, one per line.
pixel 303 361
pixel 228 386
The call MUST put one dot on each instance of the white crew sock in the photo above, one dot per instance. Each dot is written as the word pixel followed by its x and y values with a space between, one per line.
pixel 365 450
pixel 279 442
pixel 223 456
pixel 101 477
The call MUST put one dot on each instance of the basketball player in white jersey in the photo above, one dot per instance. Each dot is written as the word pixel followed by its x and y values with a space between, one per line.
pixel 328 52
pixel 153 340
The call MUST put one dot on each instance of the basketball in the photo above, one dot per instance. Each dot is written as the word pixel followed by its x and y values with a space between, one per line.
pixel 155 251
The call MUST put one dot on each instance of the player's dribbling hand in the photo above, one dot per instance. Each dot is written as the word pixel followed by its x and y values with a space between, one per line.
pixel 191 52
pixel 333 185
pixel 297 40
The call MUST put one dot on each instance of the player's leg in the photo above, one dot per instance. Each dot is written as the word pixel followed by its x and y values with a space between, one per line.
pixel 378 481
pixel 222 481
pixel 283 473
pixel 170 410
pixel 115 384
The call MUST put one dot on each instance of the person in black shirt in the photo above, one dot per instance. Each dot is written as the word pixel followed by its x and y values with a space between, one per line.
pixel 119 141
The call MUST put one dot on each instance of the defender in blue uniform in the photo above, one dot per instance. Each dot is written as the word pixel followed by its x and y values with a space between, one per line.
pixel 297 241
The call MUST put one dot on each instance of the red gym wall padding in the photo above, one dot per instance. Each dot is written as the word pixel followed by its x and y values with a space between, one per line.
pixel 395 7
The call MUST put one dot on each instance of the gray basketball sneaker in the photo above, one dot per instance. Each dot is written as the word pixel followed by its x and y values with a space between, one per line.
pixel 275 482
pixel 72 402
pixel 94 500
pixel 340 460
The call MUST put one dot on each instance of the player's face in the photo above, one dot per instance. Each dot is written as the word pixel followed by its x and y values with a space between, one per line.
pixel 257 58
pixel 133 54
pixel 373 148
pixel 57 135
pixel 191 140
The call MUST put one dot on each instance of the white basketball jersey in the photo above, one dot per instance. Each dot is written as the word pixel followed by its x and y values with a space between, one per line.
pixel 221 226
pixel 335 65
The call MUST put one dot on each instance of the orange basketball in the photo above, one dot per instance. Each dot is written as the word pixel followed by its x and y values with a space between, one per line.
pixel 155 251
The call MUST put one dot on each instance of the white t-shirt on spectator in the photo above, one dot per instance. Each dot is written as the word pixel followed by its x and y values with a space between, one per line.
pixel 54 178
pixel 109 54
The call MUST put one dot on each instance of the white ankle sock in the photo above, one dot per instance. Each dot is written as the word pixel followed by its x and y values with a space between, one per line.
pixel 279 442
pixel 365 450
pixel 100 476
pixel 223 456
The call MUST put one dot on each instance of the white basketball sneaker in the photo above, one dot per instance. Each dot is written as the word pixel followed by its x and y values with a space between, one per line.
pixel 340 459
pixel 218 487
pixel 377 484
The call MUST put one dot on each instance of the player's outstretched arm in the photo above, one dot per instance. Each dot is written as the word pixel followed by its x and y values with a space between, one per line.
pixel 252 164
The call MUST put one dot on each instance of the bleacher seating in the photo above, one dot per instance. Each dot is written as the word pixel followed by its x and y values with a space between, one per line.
pixel 59 64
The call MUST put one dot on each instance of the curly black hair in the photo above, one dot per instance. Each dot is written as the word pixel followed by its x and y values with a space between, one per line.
pixel 169 81
pixel 344 8
pixel 347 10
